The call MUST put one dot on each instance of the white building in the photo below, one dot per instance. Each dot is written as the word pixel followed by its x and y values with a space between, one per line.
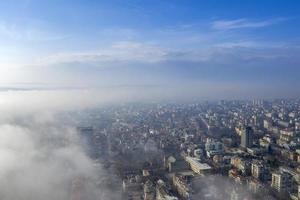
pixel 197 166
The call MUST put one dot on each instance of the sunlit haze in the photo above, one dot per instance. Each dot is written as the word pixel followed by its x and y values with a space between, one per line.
pixel 56 44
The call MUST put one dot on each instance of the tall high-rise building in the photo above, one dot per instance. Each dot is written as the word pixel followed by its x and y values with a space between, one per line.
pixel 247 137
pixel 86 135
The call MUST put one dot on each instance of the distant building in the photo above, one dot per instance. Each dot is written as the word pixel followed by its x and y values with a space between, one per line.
pixel 181 186
pixel 198 167
pixel 213 148
pixel 241 164
pixel 86 135
pixel 247 137
pixel 132 188
pixel 149 191
pixel 173 165
pixel 255 185
pixel 259 171
pixel 198 153
pixel 281 181
pixel 162 192
pixel 267 124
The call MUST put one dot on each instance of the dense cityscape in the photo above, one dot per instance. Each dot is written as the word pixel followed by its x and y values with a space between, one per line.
pixel 209 150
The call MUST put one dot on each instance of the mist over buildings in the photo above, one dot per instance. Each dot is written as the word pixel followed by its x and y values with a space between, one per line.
pixel 41 155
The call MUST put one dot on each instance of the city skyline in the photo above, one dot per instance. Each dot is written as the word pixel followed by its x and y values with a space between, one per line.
pixel 149 100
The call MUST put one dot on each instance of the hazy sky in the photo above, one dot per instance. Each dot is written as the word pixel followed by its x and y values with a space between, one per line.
pixel 241 45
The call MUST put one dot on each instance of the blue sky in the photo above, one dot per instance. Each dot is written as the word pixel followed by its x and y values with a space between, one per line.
pixel 244 45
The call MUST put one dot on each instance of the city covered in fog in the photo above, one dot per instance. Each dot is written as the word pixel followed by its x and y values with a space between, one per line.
pixel 149 100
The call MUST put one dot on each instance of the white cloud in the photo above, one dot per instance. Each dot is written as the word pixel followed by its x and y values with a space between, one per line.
pixel 126 53
pixel 33 163
pixel 243 23
pixel 27 33
pixel 118 52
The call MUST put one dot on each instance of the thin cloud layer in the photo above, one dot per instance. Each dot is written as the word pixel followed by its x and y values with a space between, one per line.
pixel 132 52
pixel 243 23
